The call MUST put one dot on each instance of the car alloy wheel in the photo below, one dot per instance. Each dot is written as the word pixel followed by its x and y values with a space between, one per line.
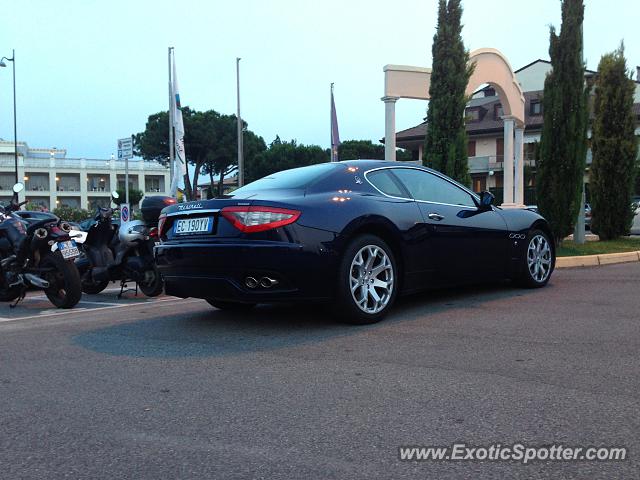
pixel 372 279
pixel 539 258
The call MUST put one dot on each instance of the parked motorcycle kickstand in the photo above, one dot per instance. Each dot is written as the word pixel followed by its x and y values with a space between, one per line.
pixel 124 289
pixel 23 294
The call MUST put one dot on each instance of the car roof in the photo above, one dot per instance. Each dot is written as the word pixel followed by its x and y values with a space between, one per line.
pixel 372 163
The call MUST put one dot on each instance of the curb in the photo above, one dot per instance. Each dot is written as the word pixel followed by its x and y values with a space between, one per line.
pixel 595 260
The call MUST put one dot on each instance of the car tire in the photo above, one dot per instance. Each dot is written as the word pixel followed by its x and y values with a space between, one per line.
pixel 364 296
pixel 538 260
pixel 231 306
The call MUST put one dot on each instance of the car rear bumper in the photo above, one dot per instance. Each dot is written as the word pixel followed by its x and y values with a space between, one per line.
pixel 219 270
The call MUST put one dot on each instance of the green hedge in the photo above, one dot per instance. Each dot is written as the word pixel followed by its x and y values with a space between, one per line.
pixel 72 214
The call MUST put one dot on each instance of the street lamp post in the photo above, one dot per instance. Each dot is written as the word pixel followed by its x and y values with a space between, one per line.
pixel 15 129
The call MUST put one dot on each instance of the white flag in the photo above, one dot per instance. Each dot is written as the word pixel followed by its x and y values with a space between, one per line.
pixel 180 164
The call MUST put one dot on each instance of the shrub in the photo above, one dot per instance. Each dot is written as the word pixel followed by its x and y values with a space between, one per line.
pixel 72 214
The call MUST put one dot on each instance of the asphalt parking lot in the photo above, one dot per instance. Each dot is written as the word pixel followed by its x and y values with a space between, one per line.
pixel 169 388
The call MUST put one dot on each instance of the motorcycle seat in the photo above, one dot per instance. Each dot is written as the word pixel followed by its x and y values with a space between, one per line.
pixel 40 223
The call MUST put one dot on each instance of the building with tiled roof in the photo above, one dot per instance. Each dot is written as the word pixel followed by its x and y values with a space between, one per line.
pixel 485 130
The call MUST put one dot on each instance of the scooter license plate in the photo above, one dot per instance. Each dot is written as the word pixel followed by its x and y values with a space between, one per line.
pixel 68 249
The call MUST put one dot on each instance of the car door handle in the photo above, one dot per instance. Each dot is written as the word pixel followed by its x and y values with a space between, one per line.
pixel 435 216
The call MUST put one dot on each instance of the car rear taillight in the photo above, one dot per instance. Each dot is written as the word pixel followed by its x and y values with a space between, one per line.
pixel 169 201
pixel 153 233
pixel 161 221
pixel 251 219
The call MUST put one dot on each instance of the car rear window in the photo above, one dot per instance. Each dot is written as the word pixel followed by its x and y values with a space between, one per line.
pixel 294 178
pixel 384 181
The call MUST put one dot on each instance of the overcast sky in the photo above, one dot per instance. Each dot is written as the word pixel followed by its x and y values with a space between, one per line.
pixel 89 72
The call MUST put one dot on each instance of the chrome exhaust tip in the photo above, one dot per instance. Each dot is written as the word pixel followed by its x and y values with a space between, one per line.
pixel 251 282
pixel 266 282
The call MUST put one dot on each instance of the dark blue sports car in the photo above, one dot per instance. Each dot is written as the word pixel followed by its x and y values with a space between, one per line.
pixel 354 233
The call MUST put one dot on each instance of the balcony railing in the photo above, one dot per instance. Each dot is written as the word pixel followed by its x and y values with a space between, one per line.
pixel 493 162
pixel 81 163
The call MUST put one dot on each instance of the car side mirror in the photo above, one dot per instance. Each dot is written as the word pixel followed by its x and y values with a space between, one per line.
pixel 18 187
pixel 486 200
pixel 115 195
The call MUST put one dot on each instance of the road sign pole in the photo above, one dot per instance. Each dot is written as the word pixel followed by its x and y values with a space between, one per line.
pixel 126 179
pixel 125 151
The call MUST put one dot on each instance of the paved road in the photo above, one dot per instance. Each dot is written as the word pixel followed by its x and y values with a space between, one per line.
pixel 175 389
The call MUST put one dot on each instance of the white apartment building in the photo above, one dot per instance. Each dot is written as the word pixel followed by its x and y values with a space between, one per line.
pixel 52 180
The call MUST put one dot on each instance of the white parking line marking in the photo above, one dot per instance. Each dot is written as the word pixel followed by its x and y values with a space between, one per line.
pixel 102 303
pixel 76 310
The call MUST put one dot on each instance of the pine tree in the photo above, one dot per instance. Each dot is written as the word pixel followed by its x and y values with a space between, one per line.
pixel 446 139
pixel 614 148
pixel 563 145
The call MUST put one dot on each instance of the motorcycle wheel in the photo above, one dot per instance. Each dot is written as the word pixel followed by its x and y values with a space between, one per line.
pixel 152 285
pixel 8 294
pixel 92 288
pixel 65 287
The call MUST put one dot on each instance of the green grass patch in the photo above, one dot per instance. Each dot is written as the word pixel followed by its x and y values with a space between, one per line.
pixel 570 249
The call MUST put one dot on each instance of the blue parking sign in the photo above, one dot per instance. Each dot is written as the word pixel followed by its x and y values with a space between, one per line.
pixel 124 212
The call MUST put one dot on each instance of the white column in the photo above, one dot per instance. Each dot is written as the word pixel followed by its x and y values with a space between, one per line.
pixel 390 128
pixel 21 172
pixel 53 189
pixel 519 167
pixel 84 195
pixel 508 161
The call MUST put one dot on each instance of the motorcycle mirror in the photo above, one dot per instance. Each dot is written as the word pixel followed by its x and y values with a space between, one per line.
pixel 115 195
pixel 18 187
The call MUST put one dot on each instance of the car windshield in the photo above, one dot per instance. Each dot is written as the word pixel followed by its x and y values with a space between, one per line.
pixel 294 178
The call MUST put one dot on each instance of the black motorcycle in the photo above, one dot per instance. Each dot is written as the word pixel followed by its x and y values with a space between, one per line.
pixel 40 255
pixel 123 252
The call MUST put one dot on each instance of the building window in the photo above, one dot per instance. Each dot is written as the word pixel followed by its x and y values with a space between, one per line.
pixel 36 182
pixel 499 149
pixel 6 181
pixel 154 183
pixel 97 202
pixel 471 148
pixel 97 183
pixel 68 182
pixel 472 114
pixel 498 111
pixel 535 107
pixel 133 182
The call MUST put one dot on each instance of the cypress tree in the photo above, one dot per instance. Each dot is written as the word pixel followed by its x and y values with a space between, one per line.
pixel 614 148
pixel 446 140
pixel 563 144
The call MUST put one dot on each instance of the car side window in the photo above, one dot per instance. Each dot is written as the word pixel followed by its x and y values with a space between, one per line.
pixel 428 187
pixel 383 180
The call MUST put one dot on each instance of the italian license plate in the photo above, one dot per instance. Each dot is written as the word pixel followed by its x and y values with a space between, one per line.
pixel 193 225
pixel 68 249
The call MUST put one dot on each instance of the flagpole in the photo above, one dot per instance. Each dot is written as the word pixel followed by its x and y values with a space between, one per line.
pixel 331 119
pixel 240 152
pixel 171 141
